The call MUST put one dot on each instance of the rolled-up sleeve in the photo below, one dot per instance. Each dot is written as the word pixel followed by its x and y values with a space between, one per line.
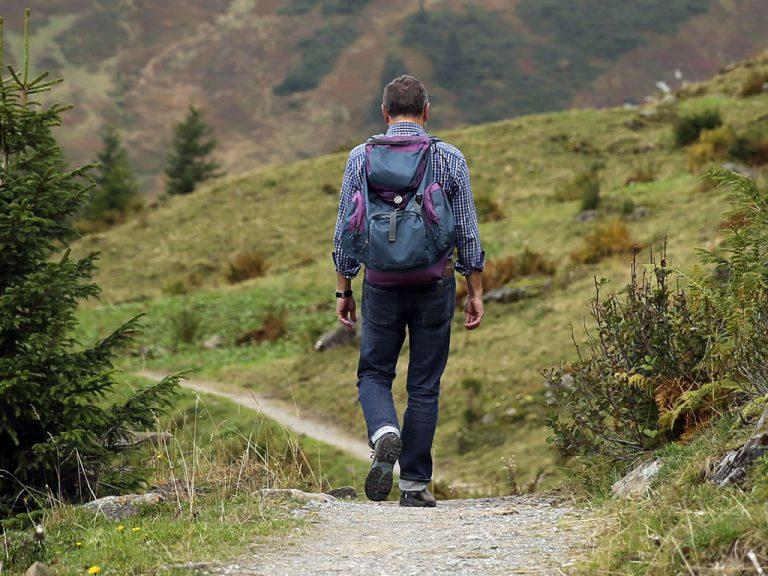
pixel 471 256
pixel 351 182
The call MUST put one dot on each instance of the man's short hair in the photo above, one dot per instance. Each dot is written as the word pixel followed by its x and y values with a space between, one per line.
pixel 404 96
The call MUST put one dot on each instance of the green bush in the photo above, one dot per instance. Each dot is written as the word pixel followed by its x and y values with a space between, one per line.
pixel 752 146
pixel 688 128
pixel 584 186
pixel 662 361
pixel 488 209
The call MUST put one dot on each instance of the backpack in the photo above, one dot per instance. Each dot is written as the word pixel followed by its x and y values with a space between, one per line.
pixel 400 225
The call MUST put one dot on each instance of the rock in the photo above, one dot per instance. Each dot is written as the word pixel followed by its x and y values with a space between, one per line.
pixel 39 569
pixel 487 419
pixel 740 169
pixel 732 468
pixel 507 294
pixel 119 507
pixel 215 341
pixel 343 493
pixel 586 216
pixel 338 336
pixel 639 213
pixel 637 481
pixel 296 493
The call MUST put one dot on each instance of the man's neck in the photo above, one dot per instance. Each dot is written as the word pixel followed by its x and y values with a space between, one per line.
pixel 412 119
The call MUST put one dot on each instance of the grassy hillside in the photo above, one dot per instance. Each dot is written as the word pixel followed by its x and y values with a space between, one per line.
pixel 171 264
pixel 289 79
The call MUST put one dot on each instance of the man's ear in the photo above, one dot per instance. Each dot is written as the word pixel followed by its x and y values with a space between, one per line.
pixel 425 114
pixel 384 114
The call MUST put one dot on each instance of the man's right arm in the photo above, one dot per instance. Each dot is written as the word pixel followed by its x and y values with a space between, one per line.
pixel 346 267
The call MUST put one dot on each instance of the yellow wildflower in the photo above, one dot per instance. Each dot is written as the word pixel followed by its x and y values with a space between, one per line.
pixel 120 528
pixel 78 544
pixel 94 570
pixel 137 529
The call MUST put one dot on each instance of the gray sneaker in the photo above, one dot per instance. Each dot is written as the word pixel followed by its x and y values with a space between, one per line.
pixel 378 483
pixel 420 499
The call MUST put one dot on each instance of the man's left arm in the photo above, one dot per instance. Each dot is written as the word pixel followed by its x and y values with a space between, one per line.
pixel 471 258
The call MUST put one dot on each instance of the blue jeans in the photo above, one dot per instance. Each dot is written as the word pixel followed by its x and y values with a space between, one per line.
pixel 427 312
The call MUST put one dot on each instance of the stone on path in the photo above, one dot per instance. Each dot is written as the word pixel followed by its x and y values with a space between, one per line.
pixel 338 336
pixel 119 507
pixel 343 492
pixel 39 569
pixel 638 480
pixel 296 493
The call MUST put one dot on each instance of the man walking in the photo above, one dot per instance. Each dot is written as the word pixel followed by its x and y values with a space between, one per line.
pixel 406 207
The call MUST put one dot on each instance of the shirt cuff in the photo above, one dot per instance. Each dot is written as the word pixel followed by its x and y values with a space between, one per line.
pixel 465 269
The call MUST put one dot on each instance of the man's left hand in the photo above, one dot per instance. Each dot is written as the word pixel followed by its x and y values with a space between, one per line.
pixel 346 311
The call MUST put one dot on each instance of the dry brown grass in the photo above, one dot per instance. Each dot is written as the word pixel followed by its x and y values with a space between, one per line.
pixel 607 238
pixel 502 271
pixel 246 265
pixel 273 327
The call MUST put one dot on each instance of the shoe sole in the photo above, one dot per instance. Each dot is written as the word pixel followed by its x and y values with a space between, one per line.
pixel 417 504
pixel 378 483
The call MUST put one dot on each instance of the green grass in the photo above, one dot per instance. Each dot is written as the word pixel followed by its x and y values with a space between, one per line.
pixel 211 468
pixel 286 213
pixel 155 542
pixel 686 525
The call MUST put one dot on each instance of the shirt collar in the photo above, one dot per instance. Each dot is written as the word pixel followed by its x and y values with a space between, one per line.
pixel 405 129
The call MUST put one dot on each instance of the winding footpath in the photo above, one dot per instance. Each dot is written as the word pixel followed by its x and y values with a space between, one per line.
pixel 286 415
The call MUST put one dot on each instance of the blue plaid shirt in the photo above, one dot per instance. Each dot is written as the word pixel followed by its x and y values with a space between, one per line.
pixel 450 170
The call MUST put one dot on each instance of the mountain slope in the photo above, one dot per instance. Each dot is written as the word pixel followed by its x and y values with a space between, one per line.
pixel 493 411
pixel 288 79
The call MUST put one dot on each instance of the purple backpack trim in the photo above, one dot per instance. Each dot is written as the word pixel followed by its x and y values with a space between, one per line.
pixel 356 221
pixel 410 277
pixel 429 202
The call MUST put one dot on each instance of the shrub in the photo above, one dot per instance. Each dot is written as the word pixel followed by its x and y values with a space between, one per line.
pixel 501 271
pixel 185 326
pixel 488 209
pixel 584 186
pixel 246 265
pixel 184 284
pixel 661 362
pixel 752 146
pixel 607 238
pixel 273 327
pixel 712 146
pixel 642 172
pixel 687 128
pixel 645 353
pixel 755 83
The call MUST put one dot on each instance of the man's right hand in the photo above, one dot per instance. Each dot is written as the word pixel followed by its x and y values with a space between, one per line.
pixel 346 311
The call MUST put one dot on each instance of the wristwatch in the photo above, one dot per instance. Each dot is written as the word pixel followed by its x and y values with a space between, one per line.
pixel 345 294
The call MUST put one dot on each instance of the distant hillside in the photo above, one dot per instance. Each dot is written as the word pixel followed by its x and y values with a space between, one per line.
pixel 173 263
pixel 288 79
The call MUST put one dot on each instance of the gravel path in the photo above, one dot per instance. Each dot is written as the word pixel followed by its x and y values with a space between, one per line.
pixel 489 536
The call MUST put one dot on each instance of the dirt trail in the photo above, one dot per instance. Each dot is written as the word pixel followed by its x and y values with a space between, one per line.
pixel 489 536
pixel 288 416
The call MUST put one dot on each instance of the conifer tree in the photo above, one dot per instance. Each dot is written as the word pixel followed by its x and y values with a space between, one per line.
pixel 60 427
pixel 189 161
pixel 116 186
